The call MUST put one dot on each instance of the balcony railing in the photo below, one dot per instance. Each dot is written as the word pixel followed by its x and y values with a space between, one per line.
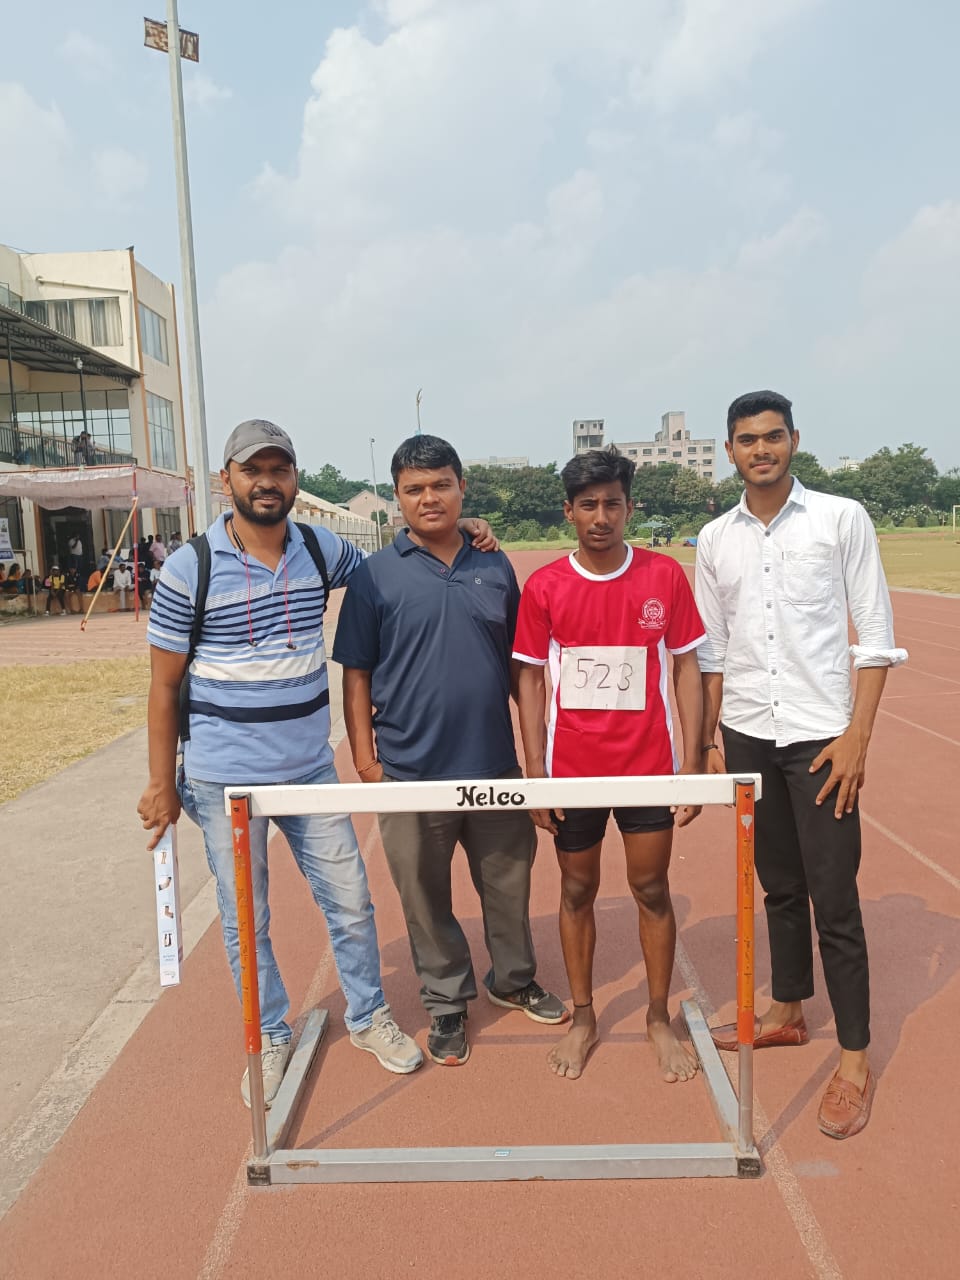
pixel 29 448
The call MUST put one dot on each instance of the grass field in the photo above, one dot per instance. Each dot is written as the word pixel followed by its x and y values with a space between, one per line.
pixel 52 716
pixel 55 715
pixel 925 559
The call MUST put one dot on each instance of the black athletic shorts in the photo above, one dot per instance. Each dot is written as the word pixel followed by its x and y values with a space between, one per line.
pixel 583 828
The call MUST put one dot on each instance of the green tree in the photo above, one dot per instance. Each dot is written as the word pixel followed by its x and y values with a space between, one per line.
pixel 330 484
pixel 809 472
pixel 902 479
pixel 521 494
pixel 946 492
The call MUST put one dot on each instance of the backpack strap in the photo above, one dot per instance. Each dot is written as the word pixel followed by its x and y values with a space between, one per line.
pixel 201 547
pixel 313 546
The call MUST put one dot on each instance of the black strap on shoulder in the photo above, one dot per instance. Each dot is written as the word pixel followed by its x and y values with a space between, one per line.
pixel 313 546
pixel 201 546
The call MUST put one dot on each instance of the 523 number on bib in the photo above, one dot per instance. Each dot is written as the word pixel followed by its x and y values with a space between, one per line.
pixel 604 678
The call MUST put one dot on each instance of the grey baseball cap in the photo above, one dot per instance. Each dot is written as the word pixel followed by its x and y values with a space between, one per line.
pixel 252 436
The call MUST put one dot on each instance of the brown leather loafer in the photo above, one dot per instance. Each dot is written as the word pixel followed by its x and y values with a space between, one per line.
pixel 794 1033
pixel 845 1109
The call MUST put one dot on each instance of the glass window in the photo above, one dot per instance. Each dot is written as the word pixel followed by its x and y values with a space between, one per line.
pixel 647 453
pixel 153 334
pixel 163 443
pixel 10 511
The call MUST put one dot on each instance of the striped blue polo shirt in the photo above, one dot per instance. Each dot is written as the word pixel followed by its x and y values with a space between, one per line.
pixel 258 712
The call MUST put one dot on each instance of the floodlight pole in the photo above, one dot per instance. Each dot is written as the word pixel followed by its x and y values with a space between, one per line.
pixel 203 506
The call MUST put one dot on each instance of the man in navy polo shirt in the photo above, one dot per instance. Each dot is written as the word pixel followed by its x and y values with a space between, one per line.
pixel 425 637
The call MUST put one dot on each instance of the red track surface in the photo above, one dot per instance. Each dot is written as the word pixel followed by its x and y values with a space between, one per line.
pixel 149 1180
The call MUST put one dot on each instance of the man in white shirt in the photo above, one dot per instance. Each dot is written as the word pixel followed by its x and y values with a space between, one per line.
pixel 122 582
pixel 776 579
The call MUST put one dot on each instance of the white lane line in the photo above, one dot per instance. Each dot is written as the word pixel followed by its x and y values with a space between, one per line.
pixel 811 1234
pixel 934 644
pixel 935 867
pixel 922 727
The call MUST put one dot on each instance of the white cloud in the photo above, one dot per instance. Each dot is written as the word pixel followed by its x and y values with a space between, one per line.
pixel 119 173
pixel 712 42
pixel 908 299
pixel 481 207
pixel 34 143
pixel 199 90
pixel 781 247
pixel 88 58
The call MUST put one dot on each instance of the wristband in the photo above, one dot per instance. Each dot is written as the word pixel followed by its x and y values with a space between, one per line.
pixel 367 767
pixel 711 746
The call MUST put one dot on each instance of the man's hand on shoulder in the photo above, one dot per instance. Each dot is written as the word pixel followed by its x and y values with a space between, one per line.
pixel 479 532
pixel 158 807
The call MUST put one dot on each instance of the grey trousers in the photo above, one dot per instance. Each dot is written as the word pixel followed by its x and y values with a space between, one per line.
pixel 499 846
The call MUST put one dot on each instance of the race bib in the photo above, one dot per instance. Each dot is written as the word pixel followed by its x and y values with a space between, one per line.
pixel 604 678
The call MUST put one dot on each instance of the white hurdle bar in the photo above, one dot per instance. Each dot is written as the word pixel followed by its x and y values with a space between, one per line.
pixel 734 1156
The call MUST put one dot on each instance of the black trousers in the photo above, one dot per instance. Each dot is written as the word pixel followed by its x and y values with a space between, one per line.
pixel 804 854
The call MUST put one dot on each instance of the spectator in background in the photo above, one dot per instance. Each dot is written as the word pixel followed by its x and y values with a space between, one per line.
pixel 72 590
pixel 11 584
pixel 176 542
pixel 55 584
pixel 75 548
pixel 83 449
pixel 159 551
pixel 103 559
pixel 95 579
pixel 122 582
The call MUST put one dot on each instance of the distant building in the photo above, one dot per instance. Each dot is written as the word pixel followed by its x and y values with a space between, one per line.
pixel 366 502
pixel 509 464
pixel 587 434
pixel 88 343
pixel 672 443
pixel 846 464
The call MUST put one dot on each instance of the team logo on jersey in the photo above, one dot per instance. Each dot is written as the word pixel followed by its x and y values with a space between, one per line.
pixel 653 614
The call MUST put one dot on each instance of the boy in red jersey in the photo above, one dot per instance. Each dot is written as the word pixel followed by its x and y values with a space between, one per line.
pixel 604 619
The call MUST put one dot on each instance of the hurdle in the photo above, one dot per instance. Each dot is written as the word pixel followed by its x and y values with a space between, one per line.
pixel 733 1155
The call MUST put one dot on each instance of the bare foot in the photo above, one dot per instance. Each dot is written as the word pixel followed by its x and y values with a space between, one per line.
pixel 676 1062
pixel 568 1055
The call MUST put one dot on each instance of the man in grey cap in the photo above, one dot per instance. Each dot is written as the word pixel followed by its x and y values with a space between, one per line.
pixel 259 712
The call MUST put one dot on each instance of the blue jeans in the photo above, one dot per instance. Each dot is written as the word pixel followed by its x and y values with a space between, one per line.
pixel 325 849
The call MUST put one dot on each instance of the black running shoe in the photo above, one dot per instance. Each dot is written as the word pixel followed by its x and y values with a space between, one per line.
pixel 540 1005
pixel 447 1039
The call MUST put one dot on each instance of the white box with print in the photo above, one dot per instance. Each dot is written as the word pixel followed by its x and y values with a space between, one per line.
pixel 167 885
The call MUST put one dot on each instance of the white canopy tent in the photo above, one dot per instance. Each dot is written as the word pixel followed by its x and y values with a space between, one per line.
pixel 95 488
pixel 125 487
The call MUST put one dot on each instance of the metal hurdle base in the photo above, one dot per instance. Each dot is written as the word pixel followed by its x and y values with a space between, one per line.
pixel 735 1155
pixel 503 1164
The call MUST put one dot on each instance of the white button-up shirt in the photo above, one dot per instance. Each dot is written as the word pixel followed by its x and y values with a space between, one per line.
pixel 775 599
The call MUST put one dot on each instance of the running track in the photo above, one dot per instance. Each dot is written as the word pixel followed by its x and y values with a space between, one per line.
pixel 149 1179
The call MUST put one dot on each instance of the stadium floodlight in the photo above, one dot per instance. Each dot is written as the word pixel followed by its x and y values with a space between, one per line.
pixel 186 44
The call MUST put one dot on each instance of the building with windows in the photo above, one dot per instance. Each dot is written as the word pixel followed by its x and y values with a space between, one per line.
pixel 672 443
pixel 509 464
pixel 587 434
pixel 89 376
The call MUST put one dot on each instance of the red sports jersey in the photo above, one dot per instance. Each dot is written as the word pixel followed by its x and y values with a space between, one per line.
pixel 606 639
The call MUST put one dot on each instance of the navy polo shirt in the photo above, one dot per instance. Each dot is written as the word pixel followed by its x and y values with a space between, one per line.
pixel 437 642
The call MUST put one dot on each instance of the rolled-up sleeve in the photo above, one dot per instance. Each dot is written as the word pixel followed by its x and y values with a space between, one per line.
pixel 868 597
pixel 713 652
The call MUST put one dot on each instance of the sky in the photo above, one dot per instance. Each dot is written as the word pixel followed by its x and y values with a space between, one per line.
pixel 535 210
